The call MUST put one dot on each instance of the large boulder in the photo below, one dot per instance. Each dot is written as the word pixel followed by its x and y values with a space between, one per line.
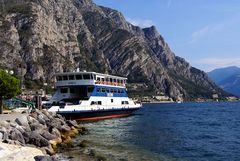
pixel 47 114
pixel 4 133
pixel 55 131
pixel 22 120
pixel 15 134
pixel 54 123
pixel 22 128
pixel 72 123
pixel 31 119
pixel 43 158
pixel 41 119
pixel 47 135
pixel 36 139
pixel 5 124
pixel 64 128
pixel 37 126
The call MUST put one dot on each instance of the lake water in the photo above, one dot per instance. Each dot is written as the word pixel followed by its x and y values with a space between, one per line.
pixel 184 132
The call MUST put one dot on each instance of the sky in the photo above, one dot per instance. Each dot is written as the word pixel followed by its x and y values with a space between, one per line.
pixel 206 33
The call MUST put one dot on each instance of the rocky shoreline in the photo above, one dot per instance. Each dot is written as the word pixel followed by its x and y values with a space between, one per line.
pixel 36 135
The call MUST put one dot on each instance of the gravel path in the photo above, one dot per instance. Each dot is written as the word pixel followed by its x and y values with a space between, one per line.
pixel 11 117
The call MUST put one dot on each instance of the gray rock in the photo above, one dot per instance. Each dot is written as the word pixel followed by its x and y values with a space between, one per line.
pixel 62 120
pixel 48 135
pixel 72 123
pixel 44 158
pixel 4 132
pixel 36 139
pixel 1 136
pixel 32 120
pixel 55 132
pixel 23 120
pixel 41 120
pixel 60 117
pixel 55 123
pixel 16 135
pixel 21 128
pixel 64 128
pixel 4 124
pixel 15 142
pixel 26 136
pixel 37 126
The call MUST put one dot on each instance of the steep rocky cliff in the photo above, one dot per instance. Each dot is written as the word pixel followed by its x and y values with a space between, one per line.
pixel 41 37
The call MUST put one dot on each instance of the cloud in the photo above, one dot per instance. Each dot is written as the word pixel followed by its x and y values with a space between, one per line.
pixel 219 62
pixel 140 22
pixel 205 31
pixel 214 29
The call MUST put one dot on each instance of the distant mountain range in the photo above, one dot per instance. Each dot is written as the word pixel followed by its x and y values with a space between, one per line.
pixel 227 78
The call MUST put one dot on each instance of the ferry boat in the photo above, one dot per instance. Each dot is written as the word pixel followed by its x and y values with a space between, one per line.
pixel 91 96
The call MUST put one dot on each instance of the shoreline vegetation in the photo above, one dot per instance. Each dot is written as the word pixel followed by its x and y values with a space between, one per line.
pixel 36 135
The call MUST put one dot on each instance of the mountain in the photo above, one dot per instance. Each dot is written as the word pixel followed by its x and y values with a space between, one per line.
pixel 41 37
pixel 228 78
pixel 218 75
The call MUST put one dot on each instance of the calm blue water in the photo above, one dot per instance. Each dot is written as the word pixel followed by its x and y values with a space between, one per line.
pixel 187 131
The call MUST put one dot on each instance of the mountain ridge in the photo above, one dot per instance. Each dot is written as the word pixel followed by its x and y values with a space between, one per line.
pixel 50 36
pixel 227 78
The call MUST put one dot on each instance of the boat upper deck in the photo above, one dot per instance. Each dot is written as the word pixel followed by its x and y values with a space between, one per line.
pixel 89 78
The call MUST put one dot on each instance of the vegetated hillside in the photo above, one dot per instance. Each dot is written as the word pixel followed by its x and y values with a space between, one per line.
pixel 227 78
pixel 41 37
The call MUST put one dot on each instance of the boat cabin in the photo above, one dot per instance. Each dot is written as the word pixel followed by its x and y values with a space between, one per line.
pixel 75 86
pixel 89 78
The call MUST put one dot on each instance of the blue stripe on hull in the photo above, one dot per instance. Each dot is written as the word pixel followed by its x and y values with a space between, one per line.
pixel 105 94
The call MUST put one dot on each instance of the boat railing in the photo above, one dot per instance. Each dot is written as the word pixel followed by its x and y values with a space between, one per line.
pixel 109 83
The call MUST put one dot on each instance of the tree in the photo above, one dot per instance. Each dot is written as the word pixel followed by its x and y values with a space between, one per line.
pixel 9 87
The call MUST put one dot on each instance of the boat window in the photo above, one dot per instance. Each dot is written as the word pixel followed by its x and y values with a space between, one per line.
pixel 118 91
pixel 71 77
pixel 94 76
pixel 110 79
pixel 98 79
pixel 59 78
pixel 103 90
pixel 98 90
pixel 112 100
pixel 125 102
pixel 65 77
pixel 112 91
pixel 64 90
pixel 90 89
pixel 86 76
pixel 99 102
pixel 78 77
pixel 93 103
pixel 114 80
pixel 108 90
pixel 115 91
pixel 72 90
